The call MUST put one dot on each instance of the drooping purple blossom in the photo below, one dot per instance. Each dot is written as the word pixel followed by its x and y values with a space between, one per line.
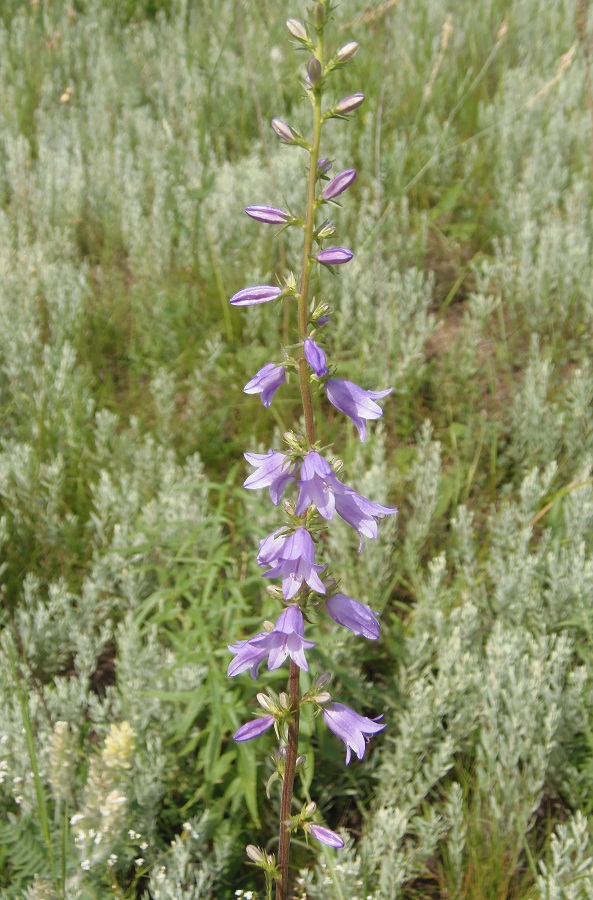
pixel 361 513
pixel 350 727
pixel 355 402
pixel 266 382
pixel 253 729
pixel 339 184
pixel 348 104
pixel 285 640
pixel 270 215
pixel 334 256
pixel 326 836
pixel 292 557
pixel 315 357
pixel 319 484
pixel 274 470
pixel 249 654
pixel 252 296
pixel 352 614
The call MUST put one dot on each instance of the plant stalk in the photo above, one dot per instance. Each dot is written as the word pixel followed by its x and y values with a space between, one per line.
pixel 282 885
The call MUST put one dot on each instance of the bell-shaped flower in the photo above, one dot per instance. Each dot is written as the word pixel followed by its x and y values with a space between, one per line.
pixel 319 484
pixel 361 513
pixel 292 557
pixel 351 728
pixel 348 104
pixel 352 614
pixel 286 639
pixel 315 357
pixel 253 296
pixel 355 402
pixel 253 729
pixel 266 382
pixel 274 470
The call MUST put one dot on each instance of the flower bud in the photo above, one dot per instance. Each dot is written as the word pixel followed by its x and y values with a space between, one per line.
pixel 347 52
pixel 255 854
pixel 314 72
pixel 251 296
pixel 349 104
pixel 297 29
pixel 334 256
pixel 270 215
pixel 323 167
pixel 318 15
pixel 339 184
pixel 283 131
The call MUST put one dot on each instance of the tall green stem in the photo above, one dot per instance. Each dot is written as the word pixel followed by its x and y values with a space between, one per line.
pixel 294 690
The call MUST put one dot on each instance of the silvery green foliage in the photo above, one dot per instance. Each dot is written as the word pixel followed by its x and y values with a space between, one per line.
pixel 568 872
pixel 502 687
pixel 191 869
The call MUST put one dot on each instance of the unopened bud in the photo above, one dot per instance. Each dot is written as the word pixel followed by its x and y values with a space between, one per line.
pixel 300 761
pixel 266 703
pixel 309 809
pixel 284 700
pixel 347 52
pixel 283 131
pixel 323 697
pixel 318 15
pixel 275 591
pixel 323 166
pixel 255 854
pixel 314 72
pixel 322 679
pixel 297 29
pixel 348 104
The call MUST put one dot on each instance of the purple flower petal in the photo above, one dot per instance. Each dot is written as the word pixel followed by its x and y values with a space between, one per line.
pixel 352 614
pixel 274 470
pixel 266 382
pixel 315 357
pixel 270 215
pixel 252 296
pixel 350 728
pixel 339 184
pixel 326 836
pixel 334 256
pixel 253 729
pixel 355 402
pixel 292 557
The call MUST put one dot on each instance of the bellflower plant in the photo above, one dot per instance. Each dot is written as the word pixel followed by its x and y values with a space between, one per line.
pixel 293 552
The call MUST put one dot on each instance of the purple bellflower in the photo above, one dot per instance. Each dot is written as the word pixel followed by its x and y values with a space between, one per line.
pixel 339 184
pixel 286 639
pixel 355 402
pixel 274 470
pixel 320 485
pixel 252 296
pixel 352 614
pixel 361 513
pixel 350 728
pixel 326 836
pixel 292 557
pixel 334 256
pixel 270 215
pixel 253 729
pixel 315 357
pixel 266 382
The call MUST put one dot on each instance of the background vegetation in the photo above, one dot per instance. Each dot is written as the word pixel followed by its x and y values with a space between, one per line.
pixel 132 134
